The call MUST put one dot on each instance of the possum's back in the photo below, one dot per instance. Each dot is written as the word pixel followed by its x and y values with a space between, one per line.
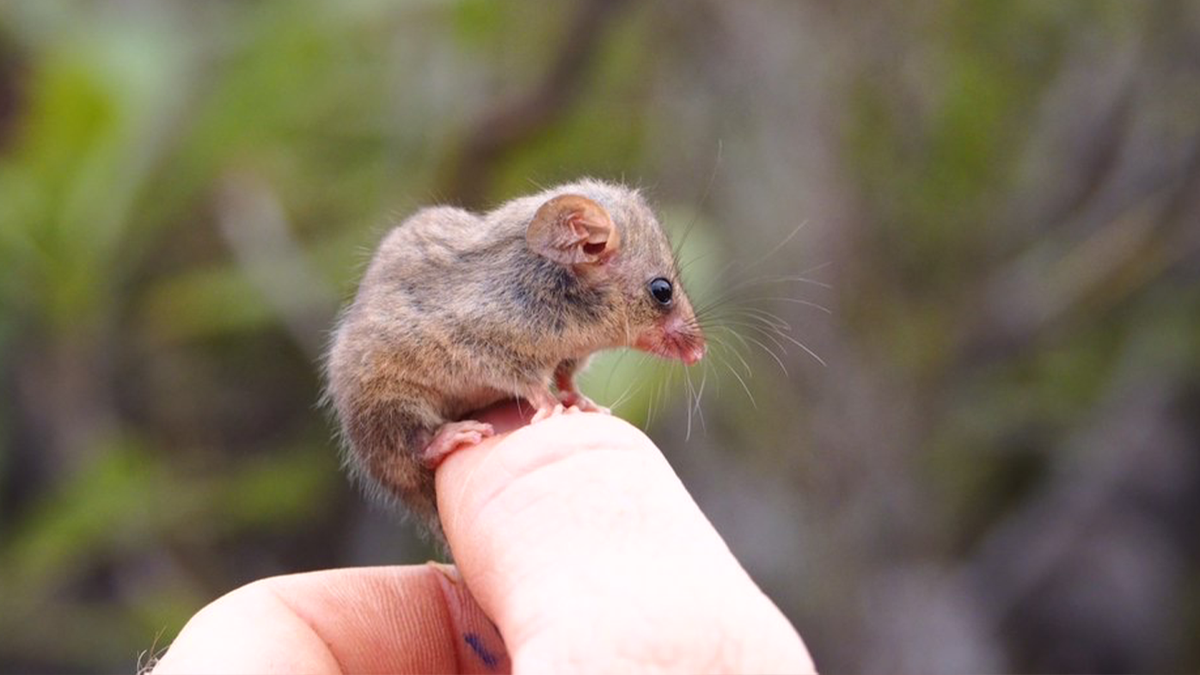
pixel 430 299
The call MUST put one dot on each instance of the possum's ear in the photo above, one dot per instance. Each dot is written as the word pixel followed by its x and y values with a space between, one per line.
pixel 573 230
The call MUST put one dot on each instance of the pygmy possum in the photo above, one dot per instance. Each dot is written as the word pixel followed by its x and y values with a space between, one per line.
pixel 458 311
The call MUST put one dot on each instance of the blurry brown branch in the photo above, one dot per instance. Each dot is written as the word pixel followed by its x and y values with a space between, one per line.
pixel 1127 251
pixel 10 92
pixel 1093 521
pixel 513 122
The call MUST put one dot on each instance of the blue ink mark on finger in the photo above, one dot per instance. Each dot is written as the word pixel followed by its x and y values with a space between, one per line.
pixel 489 659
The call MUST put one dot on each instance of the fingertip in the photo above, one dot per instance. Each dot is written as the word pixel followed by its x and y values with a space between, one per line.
pixel 577 538
pixel 526 464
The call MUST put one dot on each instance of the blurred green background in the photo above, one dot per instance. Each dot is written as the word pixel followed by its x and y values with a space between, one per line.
pixel 998 203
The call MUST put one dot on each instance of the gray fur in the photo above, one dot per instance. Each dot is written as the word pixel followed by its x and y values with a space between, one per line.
pixel 456 312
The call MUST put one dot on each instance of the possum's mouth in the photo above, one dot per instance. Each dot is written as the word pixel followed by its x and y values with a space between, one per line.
pixel 673 342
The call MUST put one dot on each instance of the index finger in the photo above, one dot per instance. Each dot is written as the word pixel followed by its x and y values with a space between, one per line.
pixel 580 542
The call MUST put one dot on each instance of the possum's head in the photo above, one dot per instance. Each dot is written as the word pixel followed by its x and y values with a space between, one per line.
pixel 611 241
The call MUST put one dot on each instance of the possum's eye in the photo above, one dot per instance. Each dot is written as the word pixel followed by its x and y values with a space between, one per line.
pixel 660 290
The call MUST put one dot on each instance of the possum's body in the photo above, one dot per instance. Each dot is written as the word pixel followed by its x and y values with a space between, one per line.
pixel 458 311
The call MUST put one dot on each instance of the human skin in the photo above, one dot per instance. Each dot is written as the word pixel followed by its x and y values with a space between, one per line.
pixel 573 535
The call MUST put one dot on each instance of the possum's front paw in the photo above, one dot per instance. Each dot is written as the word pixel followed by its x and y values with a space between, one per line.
pixel 453 435
pixel 555 410
pixel 585 404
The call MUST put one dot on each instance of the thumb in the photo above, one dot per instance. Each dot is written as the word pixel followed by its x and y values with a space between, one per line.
pixel 580 542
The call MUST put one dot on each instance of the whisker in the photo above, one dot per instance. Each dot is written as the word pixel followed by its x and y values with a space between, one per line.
pixel 690 391
pixel 613 371
pixel 784 242
pixel 814 268
pixel 735 352
pixel 712 176
pixel 743 302
pixel 769 351
pixel 632 388
pixel 797 301
pixel 767 317
pixel 759 327
pixel 739 379
pixel 653 403
pixel 803 280
pixel 684 265
pixel 699 394
pixel 803 346
pixel 736 287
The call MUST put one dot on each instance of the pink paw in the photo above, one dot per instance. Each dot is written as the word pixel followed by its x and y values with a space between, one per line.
pixel 553 411
pixel 453 435
pixel 583 403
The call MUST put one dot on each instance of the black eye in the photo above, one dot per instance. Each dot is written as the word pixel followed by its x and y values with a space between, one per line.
pixel 661 290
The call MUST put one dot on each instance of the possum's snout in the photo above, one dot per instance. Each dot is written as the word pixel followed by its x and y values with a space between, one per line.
pixel 676 337
pixel 691 355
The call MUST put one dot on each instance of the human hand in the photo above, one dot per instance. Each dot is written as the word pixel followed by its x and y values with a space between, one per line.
pixel 574 535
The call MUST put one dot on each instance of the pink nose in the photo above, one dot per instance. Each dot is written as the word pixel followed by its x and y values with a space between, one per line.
pixel 692 355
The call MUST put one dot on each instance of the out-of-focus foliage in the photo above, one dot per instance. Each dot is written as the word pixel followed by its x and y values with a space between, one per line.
pixel 983 218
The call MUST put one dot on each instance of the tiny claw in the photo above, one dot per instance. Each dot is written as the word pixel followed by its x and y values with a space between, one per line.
pixel 547 412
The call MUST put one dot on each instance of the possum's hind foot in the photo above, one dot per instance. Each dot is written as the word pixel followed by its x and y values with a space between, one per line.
pixel 452 436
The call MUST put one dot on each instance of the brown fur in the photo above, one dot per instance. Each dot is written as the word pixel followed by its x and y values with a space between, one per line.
pixel 457 311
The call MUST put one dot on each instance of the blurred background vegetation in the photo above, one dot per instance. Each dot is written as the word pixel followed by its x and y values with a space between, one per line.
pixel 998 468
